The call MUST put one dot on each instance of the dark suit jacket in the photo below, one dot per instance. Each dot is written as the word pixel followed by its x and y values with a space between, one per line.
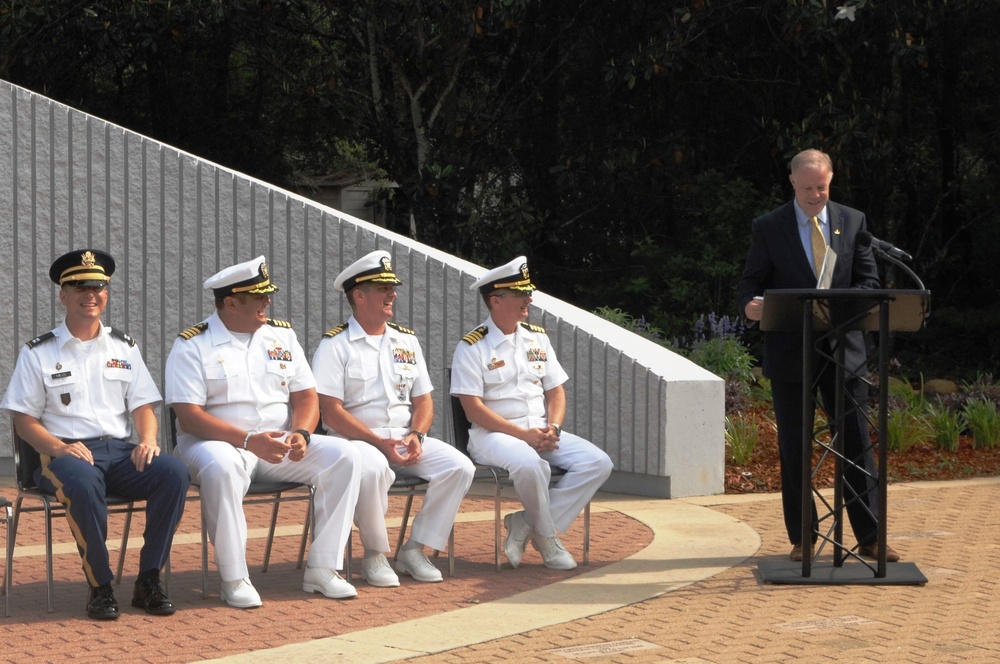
pixel 778 260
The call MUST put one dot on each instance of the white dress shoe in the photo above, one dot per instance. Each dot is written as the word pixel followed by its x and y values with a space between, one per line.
pixel 553 552
pixel 518 531
pixel 415 563
pixel 327 581
pixel 240 594
pixel 377 572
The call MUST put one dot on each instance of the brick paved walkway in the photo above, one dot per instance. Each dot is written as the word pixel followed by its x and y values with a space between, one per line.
pixel 672 581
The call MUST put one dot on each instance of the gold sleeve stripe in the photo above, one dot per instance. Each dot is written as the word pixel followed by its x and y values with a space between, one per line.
pixel 533 328
pixel 273 322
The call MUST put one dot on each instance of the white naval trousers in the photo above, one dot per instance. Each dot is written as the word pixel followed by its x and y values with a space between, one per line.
pixel 224 472
pixel 548 510
pixel 449 474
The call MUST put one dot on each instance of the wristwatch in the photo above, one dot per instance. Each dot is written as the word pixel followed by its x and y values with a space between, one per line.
pixel 305 434
pixel 557 428
pixel 420 436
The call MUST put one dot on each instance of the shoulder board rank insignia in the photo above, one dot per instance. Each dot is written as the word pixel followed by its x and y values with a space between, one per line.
pixel 123 336
pixel 533 328
pixel 193 331
pixel 404 330
pixel 40 339
pixel 477 334
pixel 274 322
pixel 334 331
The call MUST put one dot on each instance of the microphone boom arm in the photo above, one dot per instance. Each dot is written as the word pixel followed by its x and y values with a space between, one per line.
pixel 895 261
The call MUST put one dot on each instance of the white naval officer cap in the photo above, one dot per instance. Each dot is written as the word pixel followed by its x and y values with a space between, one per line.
pixel 249 277
pixel 513 275
pixel 375 267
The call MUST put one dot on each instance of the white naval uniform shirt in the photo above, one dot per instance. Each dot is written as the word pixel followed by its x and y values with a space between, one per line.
pixel 510 373
pixel 80 390
pixel 374 377
pixel 246 385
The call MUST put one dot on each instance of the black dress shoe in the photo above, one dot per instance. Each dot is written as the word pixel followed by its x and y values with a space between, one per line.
pixel 150 597
pixel 101 604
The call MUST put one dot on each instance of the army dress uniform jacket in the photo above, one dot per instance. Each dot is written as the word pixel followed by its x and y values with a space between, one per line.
pixel 80 390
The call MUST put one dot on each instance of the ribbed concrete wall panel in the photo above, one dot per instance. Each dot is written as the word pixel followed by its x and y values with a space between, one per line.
pixel 171 220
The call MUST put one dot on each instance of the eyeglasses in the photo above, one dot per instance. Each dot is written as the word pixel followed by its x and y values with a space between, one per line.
pixel 98 288
pixel 519 295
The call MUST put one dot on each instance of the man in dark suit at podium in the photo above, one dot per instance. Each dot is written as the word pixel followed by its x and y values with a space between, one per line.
pixel 787 251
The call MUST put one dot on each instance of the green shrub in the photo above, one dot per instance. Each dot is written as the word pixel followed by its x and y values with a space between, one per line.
pixel 742 437
pixel 906 428
pixel 946 426
pixel 984 421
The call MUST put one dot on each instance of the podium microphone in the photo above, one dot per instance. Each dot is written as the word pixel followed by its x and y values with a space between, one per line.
pixel 866 239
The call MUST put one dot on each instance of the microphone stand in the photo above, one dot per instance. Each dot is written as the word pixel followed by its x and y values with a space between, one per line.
pixel 900 264
pixel 913 275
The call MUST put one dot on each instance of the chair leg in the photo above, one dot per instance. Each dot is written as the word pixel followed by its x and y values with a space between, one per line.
pixel 308 527
pixel 8 567
pixel 11 541
pixel 349 565
pixel 270 532
pixel 404 523
pixel 496 521
pixel 204 556
pixel 586 534
pixel 451 552
pixel 121 551
pixel 48 556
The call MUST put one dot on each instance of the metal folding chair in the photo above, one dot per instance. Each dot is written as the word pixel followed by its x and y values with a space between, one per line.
pixel 26 462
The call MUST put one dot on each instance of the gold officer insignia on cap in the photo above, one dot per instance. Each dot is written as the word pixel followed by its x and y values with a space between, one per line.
pixel 476 335
pixel 524 270
pixel 263 271
pixel 386 264
pixel 89 259
pixel 193 331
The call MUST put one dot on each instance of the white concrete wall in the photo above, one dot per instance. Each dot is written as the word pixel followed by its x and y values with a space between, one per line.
pixel 69 180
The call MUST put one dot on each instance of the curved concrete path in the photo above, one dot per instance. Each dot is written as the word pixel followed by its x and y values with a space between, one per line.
pixel 690 543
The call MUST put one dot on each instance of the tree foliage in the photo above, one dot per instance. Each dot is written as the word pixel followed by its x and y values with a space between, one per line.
pixel 624 147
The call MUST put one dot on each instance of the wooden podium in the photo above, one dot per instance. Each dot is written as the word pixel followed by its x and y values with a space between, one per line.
pixel 828 315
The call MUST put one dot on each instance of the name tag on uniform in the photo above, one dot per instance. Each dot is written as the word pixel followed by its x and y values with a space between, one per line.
pixel 495 364
pixel 62 374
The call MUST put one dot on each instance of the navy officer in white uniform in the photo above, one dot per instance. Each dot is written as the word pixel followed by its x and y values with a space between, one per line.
pixel 246 404
pixel 70 396
pixel 374 390
pixel 507 377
